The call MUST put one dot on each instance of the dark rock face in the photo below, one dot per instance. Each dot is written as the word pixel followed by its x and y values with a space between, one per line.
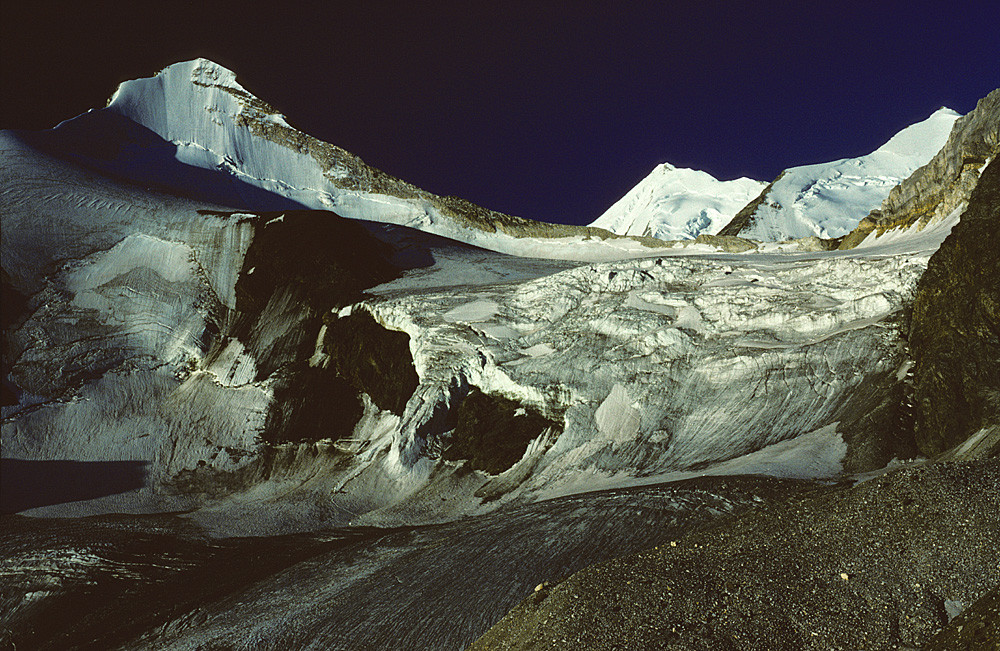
pixel 493 432
pixel 280 303
pixel 875 422
pixel 870 566
pixel 300 265
pixel 312 404
pixel 955 331
pixel 943 184
pixel 372 359
pixel 15 307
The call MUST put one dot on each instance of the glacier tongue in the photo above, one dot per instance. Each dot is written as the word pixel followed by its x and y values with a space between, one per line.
pixel 663 365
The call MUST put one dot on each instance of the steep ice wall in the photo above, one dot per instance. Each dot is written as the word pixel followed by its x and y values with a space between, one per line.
pixel 829 199
pixel 678 204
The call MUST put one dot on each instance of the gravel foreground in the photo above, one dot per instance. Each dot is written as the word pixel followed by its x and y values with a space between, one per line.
pixel 884 564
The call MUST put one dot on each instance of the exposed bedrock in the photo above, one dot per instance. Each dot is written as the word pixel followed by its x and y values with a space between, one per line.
pixel 975 627
pixel 15 310
pixel 882 564
pixel 955 331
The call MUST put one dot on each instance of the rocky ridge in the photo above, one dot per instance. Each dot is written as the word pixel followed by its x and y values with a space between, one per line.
pixel 954 336
pixel 199 107
pixel 944 184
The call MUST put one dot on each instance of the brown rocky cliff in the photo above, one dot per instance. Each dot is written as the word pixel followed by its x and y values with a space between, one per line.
pixel 955 331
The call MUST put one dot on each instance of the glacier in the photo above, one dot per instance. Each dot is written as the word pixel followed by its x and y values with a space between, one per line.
pixel 305 355
pixel 653 367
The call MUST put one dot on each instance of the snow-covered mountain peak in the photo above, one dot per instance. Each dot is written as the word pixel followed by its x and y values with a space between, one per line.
pixel 674 203
pixel 192 129
pixel 186 101
pixel 912 141
pixel 828 200
pixel 175 77
pixel 206 72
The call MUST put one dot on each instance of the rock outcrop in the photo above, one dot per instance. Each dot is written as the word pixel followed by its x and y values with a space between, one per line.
pixel 955 331
pixel 944 184
pixel 976 627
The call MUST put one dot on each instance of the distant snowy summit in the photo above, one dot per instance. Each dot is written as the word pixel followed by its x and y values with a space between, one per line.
pixel 828 200
pixel 678 204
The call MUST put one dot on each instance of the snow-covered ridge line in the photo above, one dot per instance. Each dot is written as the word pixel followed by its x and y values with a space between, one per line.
pixel 199 108
pixel 939 190
pixel 828 200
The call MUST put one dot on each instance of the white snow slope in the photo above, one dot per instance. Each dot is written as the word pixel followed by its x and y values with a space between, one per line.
pixel 829 199
pixel 678 204
pixel 208 122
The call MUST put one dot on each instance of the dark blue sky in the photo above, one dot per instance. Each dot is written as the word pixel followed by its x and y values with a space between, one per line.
pixel 546 110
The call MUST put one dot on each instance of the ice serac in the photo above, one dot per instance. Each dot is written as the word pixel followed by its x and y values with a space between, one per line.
pixel 827 200
pixel 941 188
pixel 678 204
pixel 662 365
